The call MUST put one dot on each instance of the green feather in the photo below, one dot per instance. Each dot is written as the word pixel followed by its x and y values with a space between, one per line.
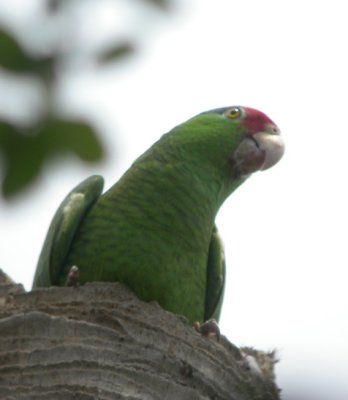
pixel 216 272
pixel 63 228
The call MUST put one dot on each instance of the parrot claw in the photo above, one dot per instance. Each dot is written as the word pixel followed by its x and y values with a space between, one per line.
pixel 73 277
pixel 209 329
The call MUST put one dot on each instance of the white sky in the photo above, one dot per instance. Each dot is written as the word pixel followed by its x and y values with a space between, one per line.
pixel 285 229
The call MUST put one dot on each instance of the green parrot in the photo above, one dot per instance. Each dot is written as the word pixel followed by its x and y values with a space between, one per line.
pixel 154 229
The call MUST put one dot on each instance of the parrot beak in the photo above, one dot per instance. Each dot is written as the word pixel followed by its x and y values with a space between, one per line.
pixel 272 145
pixel 259 151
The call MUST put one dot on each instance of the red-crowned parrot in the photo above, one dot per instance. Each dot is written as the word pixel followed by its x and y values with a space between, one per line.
pixel 154 229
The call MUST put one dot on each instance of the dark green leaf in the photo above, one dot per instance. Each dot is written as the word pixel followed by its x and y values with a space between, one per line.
pixel 5 132
pixel 12 56
pixel 115 53
pixel 22 159
pixel 75 137
pixel 24 153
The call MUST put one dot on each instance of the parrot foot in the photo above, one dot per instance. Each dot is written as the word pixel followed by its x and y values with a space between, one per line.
pixel 209 329
pixel 73 277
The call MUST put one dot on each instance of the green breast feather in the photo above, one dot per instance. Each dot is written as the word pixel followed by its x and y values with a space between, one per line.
pixel 154 229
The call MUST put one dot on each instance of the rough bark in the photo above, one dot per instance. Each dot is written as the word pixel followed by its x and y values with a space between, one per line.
pixel 98 341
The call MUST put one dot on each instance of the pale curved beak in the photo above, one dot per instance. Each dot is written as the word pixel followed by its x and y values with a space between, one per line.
pixel 259 151
pixel 273 147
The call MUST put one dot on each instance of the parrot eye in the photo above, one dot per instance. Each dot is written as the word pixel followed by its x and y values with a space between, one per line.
pixel 233 113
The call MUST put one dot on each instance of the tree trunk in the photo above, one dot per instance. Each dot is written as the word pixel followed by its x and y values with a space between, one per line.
pixel 98 341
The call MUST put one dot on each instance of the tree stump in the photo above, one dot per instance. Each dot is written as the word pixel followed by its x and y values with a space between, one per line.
pixel 99 341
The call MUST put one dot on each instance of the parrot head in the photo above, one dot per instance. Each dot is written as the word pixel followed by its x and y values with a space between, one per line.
pixel 261 144
pixel 237 140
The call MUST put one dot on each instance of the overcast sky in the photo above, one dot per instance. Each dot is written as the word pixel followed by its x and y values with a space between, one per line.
pixel 285 229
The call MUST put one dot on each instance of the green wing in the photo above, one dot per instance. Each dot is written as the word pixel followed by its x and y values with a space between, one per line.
pixel 62 230
pixel 215 277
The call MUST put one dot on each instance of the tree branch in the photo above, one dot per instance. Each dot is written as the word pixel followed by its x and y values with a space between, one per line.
pixel 98 341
